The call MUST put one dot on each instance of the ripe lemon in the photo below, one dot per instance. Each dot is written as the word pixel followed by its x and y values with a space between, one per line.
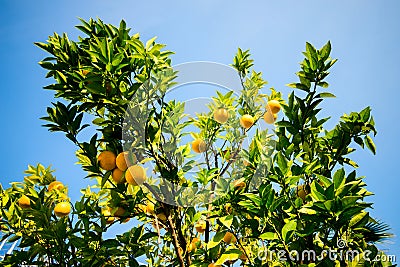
pixel 135 175
pixel 199 146
pixel 301 192
pixel 221 115
pixel 239 184
pixel 246 121
pixel 107 160
pixel 274 106
pixel 62 209
pixel 200 226
pixel 123 160
pixel 229 238
pixel 269 117
pixel 118 176
pixel 57 185
pixel 24 202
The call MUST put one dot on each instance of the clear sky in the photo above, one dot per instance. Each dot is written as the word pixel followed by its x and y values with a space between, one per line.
pixel 365 37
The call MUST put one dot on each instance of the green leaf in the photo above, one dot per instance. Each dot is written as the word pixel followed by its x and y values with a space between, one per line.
pixel 349 201
pixel 227 221
pixel 255 198
pixel 268 236
pixel 312 55
pixel 299 86
pixel 323 84
pixel 359 220
pixel 230 255
pixel 307 211
pixel 287 229
pixel 325 95
pixel 365 114
pixel 338 178
pixel 370 144
pixel 284 124
pixel 282 162
pixel 217 238
pixel 325 51
pixel 317 192
pixel 359 141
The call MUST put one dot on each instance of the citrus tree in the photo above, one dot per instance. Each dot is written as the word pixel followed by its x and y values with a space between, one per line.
pixel 291 197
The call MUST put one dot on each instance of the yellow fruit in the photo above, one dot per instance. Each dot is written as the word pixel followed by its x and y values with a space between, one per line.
pixel 85 72
pixel 106 160
pixel 192 247
pixel 108 216
pixel 213 265
pixel 229 238
pixel 274 106
pixel 221 115
pixel 193 244
pixel 118 176
pixel 200 226
pixel 24 202
pixel 199 146
pixel 62 209
pixel 301 192
pixel 162 216
pixel 239 184
pixel 57 185
pixel 269 117
pixel 135 175
pixel 150 208
pixel 123 160
pixel 246 121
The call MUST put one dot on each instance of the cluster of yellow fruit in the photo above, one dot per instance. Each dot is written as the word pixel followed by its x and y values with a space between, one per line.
pixel 61 209
pixel 221 115
pixel 122 167
pixel 274 106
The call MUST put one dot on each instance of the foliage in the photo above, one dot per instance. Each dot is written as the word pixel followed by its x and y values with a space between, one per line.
pixel 110 75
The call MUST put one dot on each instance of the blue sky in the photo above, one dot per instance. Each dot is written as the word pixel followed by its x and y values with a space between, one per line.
pixel 364 36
